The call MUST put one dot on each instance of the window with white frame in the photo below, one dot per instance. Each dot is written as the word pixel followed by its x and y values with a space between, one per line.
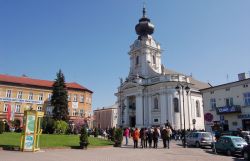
pixel 8 93
pixel 246 98
pixel 49 96
pixel 30 96
pixel 18 108
pixel 137 60
pixel 229 101
pixel 213 103
pixel 198 109
pixel 75 98
pixel 81 112
pixel 39 108
pixel 20 94
pixel 74 113
pixel 40 96
pixel 154 60
pixel 156 120
pixel 5 108
pixel 81 98
pixel 69 97
pixel 176 104
pixel 49 110
pixel 156 103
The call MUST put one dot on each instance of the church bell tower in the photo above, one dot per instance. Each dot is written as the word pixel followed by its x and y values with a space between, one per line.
pixel 145 52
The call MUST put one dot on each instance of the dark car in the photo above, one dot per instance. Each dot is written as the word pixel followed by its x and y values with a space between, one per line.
pixel 246 152
pixel 230 145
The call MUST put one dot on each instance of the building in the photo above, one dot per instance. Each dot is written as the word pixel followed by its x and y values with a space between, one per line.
pixel 153 94
pixel 106 117
pixel 227 106
pixel 21 93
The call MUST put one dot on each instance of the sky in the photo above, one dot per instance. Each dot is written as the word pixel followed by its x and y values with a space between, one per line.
pixel 89 40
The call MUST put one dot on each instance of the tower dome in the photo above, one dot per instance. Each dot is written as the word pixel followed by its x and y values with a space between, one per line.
pixel 144 27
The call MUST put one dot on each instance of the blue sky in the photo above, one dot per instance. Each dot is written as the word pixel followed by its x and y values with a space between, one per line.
pixel 89 40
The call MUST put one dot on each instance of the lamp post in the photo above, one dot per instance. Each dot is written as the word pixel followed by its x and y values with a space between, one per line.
pixel 187 89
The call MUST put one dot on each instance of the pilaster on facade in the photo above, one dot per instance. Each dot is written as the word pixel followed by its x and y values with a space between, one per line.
pixel 126 112
pixel 139 110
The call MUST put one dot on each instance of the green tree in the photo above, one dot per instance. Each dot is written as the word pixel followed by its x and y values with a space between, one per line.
pixel 59 98
pixel 118 137
pixel 2 128
pixel 84 142
pixel 60 127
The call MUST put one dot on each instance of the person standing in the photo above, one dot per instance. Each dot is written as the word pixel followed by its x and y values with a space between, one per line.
pixel 155 137
pixel 136 135
pixel 145 138
pixel 150 137
pixel 168 135
pixel 164 137
pixel 126 134
pixel 141 136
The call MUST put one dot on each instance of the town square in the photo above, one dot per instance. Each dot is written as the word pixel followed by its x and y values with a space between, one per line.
pixel 133 80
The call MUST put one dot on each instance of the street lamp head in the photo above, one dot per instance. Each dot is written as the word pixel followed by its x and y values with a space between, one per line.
pixel 187 89
pixel 177 88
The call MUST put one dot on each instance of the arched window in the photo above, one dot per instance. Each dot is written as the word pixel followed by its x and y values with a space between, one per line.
pixel 198 110
pixel 137 60
pixel 154 60
pixel 156 103
pixel 176 104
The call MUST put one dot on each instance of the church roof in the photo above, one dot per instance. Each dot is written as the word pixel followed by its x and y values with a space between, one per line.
pixel 196 83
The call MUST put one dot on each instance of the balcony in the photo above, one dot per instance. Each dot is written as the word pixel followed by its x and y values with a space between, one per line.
pixel 228 109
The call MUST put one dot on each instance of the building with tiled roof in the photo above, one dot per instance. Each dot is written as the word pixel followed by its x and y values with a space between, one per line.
pixel 21 93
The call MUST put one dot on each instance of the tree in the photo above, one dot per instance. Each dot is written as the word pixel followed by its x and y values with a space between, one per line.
pixel 59 98
pixel 118 137
pixel 84 142
pixel 2 128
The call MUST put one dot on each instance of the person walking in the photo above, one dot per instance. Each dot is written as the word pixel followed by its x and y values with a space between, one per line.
pixel 155 137
pixel 126 135
pixel 136 135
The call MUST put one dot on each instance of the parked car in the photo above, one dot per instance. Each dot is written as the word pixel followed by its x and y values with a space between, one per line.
pixel 246 136
pixel 230 145
pixel 246 152
pixel 200 139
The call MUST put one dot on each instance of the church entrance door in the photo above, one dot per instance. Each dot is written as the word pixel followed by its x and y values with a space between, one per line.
pixel 132 121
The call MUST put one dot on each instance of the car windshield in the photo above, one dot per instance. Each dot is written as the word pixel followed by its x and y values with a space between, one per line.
pixel 238 140
pixel 206 135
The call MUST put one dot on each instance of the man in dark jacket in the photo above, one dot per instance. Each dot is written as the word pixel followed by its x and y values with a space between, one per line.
pixel 164 137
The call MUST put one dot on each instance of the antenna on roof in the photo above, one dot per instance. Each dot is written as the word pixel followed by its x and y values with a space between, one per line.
pixel 24 75
pixel 227 77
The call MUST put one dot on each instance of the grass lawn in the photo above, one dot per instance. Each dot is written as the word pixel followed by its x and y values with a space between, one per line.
pixel 52 140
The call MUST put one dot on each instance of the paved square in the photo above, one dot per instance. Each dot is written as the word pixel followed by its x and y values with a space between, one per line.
pixel 125 153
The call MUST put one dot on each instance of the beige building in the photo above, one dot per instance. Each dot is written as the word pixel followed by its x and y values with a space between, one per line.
pixel 21 93
pixel 227 106
pixel 106 117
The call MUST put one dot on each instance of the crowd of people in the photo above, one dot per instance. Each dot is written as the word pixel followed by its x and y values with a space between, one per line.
pixel 149 137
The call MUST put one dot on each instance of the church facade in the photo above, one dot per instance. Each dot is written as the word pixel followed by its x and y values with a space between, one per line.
pixel 152 94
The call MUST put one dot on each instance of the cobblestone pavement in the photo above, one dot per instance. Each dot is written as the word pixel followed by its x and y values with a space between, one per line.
pixel 125 153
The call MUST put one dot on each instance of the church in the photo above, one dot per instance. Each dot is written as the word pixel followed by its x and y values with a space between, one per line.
pixel 152 95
